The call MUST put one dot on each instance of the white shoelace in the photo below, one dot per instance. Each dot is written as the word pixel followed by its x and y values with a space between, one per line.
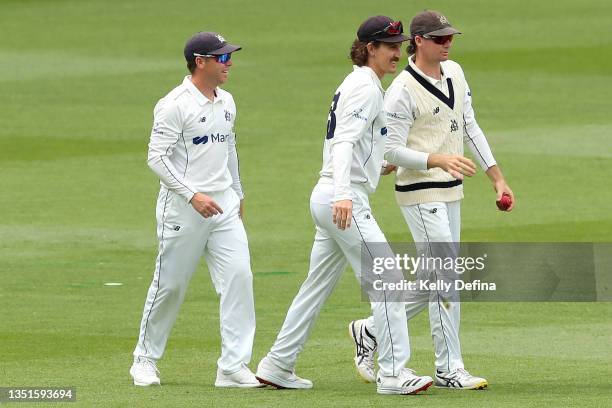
pixel 463 373
pixel 149 366
pixel 408 373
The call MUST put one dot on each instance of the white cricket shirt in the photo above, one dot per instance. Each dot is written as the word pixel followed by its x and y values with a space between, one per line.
pixel 355 140
pixel 193 144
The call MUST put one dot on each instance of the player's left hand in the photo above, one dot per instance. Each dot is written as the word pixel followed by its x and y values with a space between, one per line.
pixel 502 187
pixel 388 169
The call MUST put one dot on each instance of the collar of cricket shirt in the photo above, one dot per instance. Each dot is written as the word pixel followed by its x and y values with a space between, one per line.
pixel 433 81
pixel 200 98
pixel 427 83
pixel 372 74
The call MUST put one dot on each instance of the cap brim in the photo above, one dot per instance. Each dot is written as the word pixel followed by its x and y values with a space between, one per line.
pixel 394 39
pixel 226 49
pixel 444 31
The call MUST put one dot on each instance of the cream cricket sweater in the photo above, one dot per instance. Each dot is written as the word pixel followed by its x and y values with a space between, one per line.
pixel 437 128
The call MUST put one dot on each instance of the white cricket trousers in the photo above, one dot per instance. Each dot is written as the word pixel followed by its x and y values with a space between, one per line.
pixel 184 236
pixel 438 222
pixel 435 222
pixel 332 250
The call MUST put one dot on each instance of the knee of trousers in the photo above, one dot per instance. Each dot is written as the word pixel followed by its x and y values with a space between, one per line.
pixel 241 273
pixel 172 289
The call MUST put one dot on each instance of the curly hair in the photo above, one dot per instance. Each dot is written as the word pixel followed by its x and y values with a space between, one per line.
pixel 359 52
pixel 411 50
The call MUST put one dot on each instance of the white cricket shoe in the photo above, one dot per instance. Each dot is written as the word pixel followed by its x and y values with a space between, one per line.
pixel 144 372
pixel 405 383
pixel 460 379
pixel 243 378
pixel 270 374
pixel 365 346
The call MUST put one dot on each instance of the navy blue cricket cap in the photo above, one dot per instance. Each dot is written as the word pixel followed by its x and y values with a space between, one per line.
pixel 381 28
pixel 208 43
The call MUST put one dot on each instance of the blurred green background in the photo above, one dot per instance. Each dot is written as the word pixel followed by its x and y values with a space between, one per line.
pixel 79 80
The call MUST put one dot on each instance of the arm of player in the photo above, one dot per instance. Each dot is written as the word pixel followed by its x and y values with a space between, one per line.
pixel 474 136
pixel 400 117
pixel 359 108
pixel 342 159
pixel 233 165
pixel 499 184
pixel 399 112
pixel 166 133
pixel 479 146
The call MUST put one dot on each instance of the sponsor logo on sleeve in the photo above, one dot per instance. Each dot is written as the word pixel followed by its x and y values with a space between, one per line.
pixel 395 115
pixel 357 114
pixel 156 129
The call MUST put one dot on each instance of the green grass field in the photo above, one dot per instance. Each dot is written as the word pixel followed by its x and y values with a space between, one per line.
pixel 79 80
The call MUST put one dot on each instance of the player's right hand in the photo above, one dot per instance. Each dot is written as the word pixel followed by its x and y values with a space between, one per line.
pixel 342 213
pixel 456 166
pixel 205 205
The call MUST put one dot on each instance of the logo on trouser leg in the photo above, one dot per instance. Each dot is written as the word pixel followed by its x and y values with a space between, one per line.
pixel 433 211
pixel 176 227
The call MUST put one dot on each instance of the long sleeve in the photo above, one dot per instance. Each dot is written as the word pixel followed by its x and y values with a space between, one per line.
pixel 399 111
pixel 342 159
pixel 358 112
pixel 474 136
pixel 233 165
pixel 166 134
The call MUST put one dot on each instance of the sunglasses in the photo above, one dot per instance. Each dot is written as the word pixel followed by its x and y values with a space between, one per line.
pixel 439 39
pixel 222 59
pixel 394 28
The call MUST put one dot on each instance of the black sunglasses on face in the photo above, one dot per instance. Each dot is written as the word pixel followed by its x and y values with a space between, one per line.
pixel 439 39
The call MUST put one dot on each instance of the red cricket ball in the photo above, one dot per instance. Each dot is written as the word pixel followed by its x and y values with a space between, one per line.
pixel 504 203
